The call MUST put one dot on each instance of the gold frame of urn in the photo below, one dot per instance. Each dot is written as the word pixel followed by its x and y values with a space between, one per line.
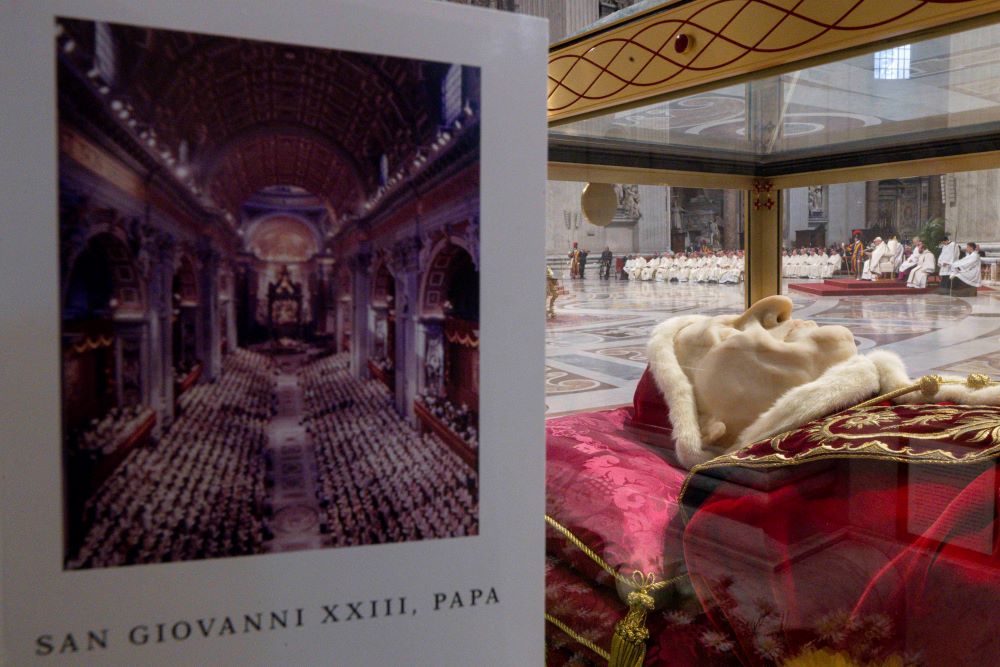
pixel 683 47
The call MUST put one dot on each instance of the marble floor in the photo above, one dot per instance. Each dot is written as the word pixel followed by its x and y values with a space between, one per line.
pixel 595 346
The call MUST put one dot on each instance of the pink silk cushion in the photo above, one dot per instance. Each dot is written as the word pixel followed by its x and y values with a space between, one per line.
pixel 613 492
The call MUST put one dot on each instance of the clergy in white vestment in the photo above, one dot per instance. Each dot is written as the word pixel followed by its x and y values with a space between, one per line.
pixel 947 258
pixel 649 271
pixel 707 268
pixel 717 266
pixel 730 272
pixel 814 264
pixel 875 262
pixel 966 273
pixel 675 267
pixel 689 268
pixel 803 263
pixel 922 269
pixel 833 264
pixel 684 269
pixel 697 267
pixel 894 249
pixel 663 271
pixel 784 263
pixel 912 260
pixel 794 262
pixel 635 273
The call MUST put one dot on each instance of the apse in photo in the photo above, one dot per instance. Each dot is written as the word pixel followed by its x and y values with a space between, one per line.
pixel 269 275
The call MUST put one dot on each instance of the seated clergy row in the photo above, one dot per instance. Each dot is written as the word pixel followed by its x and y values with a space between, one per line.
pixel 198 491
pixel 956 273
pixel 379 479
pixel 724 267
pixel 816 263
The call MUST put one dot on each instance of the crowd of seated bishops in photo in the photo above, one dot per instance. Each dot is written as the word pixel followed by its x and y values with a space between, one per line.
pixel 380 479
pixel 458 418
pixel 198 491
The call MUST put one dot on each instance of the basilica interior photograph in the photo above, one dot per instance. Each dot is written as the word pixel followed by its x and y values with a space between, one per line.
pixel 269 261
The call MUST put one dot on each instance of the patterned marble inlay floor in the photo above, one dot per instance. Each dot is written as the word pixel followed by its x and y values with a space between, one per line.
pixel 595 347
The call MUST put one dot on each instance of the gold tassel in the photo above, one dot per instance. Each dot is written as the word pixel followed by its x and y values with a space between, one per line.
pixel 628 644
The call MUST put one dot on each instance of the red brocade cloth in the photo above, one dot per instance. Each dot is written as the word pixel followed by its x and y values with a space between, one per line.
pixel 614 493
pixel 870 536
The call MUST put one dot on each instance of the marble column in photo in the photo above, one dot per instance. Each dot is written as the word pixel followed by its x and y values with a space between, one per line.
pixel 407 270
pixel 208 338
pixel 361 300
pixel 161 347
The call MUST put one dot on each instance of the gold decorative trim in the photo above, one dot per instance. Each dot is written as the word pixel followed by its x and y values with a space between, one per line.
pixel 709 41
pixel 577 637
pixel 763 195
pixel 869 413
pixel 762 242
pixel 98 161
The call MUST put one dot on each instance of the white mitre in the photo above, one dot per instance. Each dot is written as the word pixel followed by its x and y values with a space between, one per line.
pixel 842 386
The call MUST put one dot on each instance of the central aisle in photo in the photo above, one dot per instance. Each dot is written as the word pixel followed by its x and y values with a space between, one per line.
pixel 292 467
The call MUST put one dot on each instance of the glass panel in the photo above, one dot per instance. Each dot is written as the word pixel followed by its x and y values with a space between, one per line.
pixel 871 256
pixel 716 120
pixel 940 88
pixel 939 85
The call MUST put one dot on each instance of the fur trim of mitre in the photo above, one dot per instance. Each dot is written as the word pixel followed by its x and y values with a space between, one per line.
pixel 676 389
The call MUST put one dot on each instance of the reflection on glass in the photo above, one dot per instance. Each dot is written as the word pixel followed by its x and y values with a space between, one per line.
pixel 919 91
pixel 893 63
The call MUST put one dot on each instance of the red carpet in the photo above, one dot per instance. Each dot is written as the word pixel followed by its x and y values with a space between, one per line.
pixel 851 287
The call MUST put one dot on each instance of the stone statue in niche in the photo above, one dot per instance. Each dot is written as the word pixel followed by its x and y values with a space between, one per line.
pixel 434 365
pixel 628 200
pixel 381 334
pixel 817 205
pixel 715 234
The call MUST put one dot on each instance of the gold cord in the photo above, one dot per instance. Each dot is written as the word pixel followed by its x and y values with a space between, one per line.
pixel 638 581
pixel 929 385
pixel 628 643
pixel 578 638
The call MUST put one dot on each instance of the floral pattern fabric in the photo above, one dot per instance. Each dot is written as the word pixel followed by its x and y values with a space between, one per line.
pixel 614 493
